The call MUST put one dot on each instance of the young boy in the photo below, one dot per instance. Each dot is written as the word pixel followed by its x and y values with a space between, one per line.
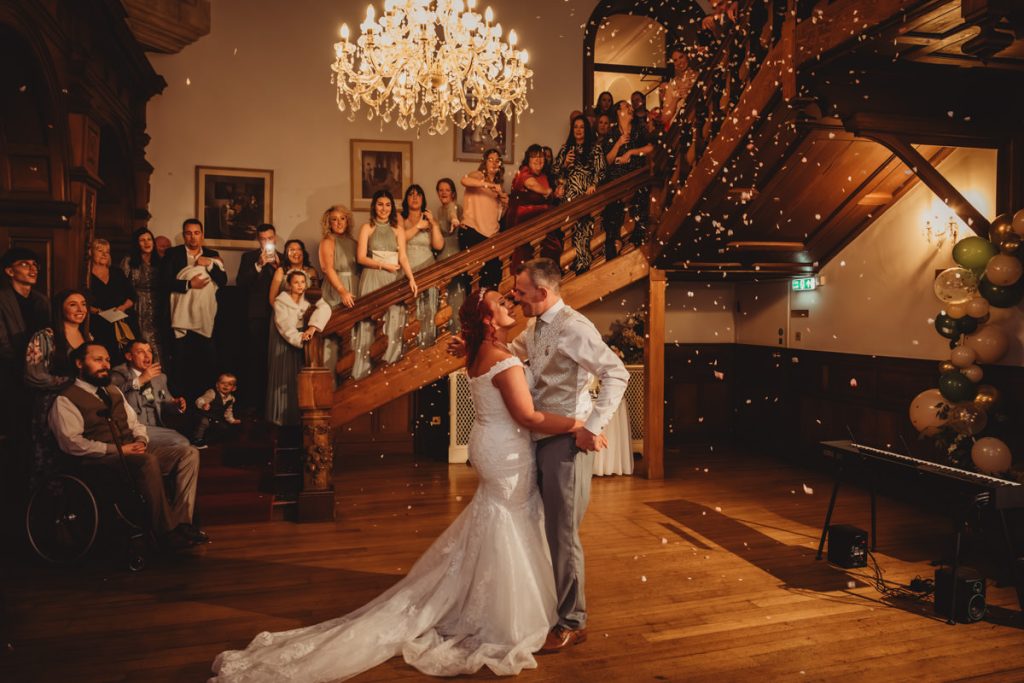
pixel 218 405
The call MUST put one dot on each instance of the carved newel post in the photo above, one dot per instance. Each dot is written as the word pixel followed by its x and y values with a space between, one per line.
pixel 316 393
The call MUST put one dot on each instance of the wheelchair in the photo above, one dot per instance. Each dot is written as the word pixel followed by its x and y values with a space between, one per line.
pixel 67 511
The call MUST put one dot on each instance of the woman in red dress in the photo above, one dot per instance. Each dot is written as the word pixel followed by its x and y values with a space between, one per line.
pixel 531 195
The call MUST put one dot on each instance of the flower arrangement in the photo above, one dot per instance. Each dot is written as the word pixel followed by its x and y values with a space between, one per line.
pixel 626 337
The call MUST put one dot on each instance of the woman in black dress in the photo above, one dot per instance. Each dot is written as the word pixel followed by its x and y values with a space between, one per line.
pixel 109 292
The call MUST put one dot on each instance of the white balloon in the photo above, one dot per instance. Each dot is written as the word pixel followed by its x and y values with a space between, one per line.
pixel 977 307
pixel 1003 270
pixel 990 342
pixel 991 455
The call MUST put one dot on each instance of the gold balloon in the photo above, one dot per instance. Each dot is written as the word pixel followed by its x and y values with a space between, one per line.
pixel 946 366
pixel 977 307
pixel 1011 245
pixel 1000 229
pixel 987 397
pixel 956 311
pixel 968 419
pixel 973 373
pixel 962 356
pixel 990 342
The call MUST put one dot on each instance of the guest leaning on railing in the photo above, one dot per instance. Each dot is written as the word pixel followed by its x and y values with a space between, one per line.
pixel 580 166
pixel 337 253
pixel 531 196
pixel 422 238
pixel 628 153
pixel 483 204
pixel 449 217
pixel 382 254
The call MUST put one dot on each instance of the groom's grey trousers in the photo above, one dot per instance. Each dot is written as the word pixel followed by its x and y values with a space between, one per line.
pixel 564 476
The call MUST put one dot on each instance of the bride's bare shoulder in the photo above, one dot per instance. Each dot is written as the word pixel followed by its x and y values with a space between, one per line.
pixel 487 357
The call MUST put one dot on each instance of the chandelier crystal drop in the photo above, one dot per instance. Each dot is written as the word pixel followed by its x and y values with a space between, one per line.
pixel 431 63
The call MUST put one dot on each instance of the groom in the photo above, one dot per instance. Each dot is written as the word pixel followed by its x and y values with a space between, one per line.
pixel 564 349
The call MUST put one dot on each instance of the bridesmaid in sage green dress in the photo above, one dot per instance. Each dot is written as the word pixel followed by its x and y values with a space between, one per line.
pixel 337 254
pixel 422 238
pixel 449 217
pixel 382 254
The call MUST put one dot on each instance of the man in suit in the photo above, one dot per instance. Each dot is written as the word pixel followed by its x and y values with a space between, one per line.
pixel 187 273
pixel 90 417
pixel 254 276
pixel 144 386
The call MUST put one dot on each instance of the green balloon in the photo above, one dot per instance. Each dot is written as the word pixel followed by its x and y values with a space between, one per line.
pixel 955 387
pixel 1001 297
pixel 974 252
pixel 947 326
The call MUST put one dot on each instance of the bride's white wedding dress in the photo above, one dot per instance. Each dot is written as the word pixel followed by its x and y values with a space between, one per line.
pixel 482 595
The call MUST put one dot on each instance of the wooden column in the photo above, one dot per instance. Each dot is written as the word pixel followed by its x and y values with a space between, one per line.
pixel 653 463
pixel 316 394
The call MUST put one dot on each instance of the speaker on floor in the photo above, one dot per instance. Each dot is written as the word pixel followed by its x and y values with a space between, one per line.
pixel 847 546
pixel 970 594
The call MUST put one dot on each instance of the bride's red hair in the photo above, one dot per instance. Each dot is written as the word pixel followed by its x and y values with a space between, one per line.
pixel 471 317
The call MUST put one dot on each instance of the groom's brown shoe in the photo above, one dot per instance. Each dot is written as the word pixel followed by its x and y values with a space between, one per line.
pixel 562 637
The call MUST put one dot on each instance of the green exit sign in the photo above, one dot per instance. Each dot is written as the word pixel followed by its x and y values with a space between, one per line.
pixel 805 284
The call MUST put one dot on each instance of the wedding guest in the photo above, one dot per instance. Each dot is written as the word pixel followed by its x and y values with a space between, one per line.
pixel 531 195
pixel 162 243
pixel 82 431
pixel 286 355
pixel 580 167
pixel 449 217
pixel 216 408
pixel 683 79
pixel 48 370
pixel 337 253
pixel 422 238
pixel 255 273
pixel 23 311
pixel 144 385
pixel 382 254
pixel 295 258
pixel 628 153
pixel 191 274
pixel 110 295
pixel 603 130
pixel 483 203
pixel 605 105
pixel 142 268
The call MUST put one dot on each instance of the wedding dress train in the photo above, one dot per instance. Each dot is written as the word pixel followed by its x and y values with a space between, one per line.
pixel 481 595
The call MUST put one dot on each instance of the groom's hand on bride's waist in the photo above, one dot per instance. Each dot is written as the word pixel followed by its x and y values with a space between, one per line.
pixel 588 441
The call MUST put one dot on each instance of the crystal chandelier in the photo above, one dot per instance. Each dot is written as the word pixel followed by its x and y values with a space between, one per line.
pixel 431 63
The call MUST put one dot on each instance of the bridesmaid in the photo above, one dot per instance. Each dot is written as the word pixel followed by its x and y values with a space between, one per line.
pixel 142 268
pixel 295 258
pixel 337 254
pixel 48 370
pixel 109 290
pixel 382 254
pixel 449 217
pixel 422 238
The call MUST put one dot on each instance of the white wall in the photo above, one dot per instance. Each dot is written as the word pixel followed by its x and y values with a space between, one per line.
pixel 695 312
pixel 877 295
pixel 260 97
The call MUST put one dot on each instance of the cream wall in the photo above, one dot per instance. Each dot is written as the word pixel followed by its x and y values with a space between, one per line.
pixel 256 93
pixel 695 312
pixel 877 295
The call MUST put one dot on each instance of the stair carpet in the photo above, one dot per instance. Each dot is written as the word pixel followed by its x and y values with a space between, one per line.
pixel 247 478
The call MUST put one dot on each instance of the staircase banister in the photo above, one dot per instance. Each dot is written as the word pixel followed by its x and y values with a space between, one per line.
pixel 500 245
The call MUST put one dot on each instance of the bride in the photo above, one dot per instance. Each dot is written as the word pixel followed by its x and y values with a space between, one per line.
pixel 483 594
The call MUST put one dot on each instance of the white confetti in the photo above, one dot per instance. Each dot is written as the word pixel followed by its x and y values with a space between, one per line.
pixel 643 579
pixel 808 490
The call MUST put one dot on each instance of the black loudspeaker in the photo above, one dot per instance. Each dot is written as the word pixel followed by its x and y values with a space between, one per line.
pixel 847 546
pixel 970 594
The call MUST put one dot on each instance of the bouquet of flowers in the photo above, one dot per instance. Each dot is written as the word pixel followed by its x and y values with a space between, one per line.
pixel 626 337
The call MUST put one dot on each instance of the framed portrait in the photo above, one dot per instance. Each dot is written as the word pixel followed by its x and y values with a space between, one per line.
pixel 471 142
pixel 231 202
pixel 379 165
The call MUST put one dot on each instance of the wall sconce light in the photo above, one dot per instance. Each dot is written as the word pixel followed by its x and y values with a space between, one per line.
pixel 938 229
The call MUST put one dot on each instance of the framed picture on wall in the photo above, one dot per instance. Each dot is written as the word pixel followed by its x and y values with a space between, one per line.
pixel 379 165
pixel 471 142
pixel 231 202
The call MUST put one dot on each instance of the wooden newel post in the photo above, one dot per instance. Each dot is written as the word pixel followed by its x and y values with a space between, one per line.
pixel 653 464
pixel 316 392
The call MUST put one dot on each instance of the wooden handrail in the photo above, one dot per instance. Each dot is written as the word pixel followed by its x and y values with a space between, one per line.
pixel 499 246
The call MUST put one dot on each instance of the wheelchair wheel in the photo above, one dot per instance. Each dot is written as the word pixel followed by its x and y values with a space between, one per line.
pixel 62 519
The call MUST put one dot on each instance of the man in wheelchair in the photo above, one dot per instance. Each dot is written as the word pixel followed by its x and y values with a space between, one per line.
pixel 91 417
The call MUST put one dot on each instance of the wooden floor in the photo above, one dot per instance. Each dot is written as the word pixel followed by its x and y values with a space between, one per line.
pixel 707 576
